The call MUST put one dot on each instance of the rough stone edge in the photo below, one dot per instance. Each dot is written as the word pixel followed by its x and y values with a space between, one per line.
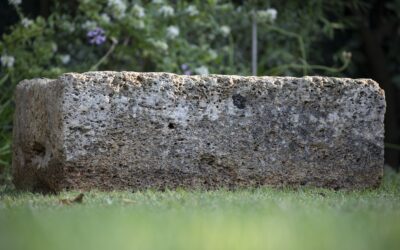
pixel 80 76
pixel 37 135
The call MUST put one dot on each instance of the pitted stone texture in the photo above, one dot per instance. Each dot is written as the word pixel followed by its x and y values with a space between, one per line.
pixel 127 130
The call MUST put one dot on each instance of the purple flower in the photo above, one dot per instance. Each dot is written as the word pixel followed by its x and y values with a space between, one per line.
pixel 96 36
pixel 184 67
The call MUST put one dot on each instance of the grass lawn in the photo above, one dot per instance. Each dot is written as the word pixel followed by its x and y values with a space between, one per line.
pixel 261 218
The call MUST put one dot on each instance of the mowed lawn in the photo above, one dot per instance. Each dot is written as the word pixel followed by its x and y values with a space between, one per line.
pixel 262 218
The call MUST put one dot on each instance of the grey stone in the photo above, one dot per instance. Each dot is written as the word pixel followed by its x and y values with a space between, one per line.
pixel 127 130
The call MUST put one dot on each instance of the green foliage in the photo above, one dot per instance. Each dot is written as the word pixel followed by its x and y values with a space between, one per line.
pixel 244 219
pixel 207 36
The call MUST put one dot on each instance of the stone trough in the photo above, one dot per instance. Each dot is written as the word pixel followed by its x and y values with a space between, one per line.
pixel 130 131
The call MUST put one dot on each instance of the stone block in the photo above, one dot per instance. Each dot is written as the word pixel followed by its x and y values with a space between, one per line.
pixel 130 131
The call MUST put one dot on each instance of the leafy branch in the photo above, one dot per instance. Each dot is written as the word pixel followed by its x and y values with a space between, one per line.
pixel 305 67
pixel 108 53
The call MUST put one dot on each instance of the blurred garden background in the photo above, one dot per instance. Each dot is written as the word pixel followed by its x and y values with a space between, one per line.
pixel 344 38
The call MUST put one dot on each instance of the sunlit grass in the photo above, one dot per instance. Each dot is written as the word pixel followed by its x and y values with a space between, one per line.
pixel 261 218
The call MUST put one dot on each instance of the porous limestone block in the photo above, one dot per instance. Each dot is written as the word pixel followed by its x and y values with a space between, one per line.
pixel 128 130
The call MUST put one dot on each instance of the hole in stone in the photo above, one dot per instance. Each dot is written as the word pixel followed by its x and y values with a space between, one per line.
pixel 101 108
pixel 239 101
pixel 171 126
pixel 39 149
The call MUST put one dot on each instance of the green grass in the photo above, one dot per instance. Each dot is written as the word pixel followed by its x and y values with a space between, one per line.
pixel 261 218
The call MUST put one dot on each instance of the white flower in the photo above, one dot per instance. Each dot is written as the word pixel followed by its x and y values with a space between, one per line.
pixel 26 22
pixel 105 18
pixel 166 11
pixel 226 48
pixel 202 70
pixel 138 10
pixel 7 61
pixel 272 13
pixel 213 55
pixel 172 32
pixel 268 15
pixel 192 10
pixel 139 24
pixel 89 25
pixel 225 30
pixel 54 47
pixel 160 45
pixel 211 36
pixel 117 7
pixel 68 26
pixel 65 59
pixel 346 55
pixel 15 2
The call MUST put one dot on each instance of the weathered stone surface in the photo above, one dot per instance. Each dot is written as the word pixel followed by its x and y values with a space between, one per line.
pixel 127 130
